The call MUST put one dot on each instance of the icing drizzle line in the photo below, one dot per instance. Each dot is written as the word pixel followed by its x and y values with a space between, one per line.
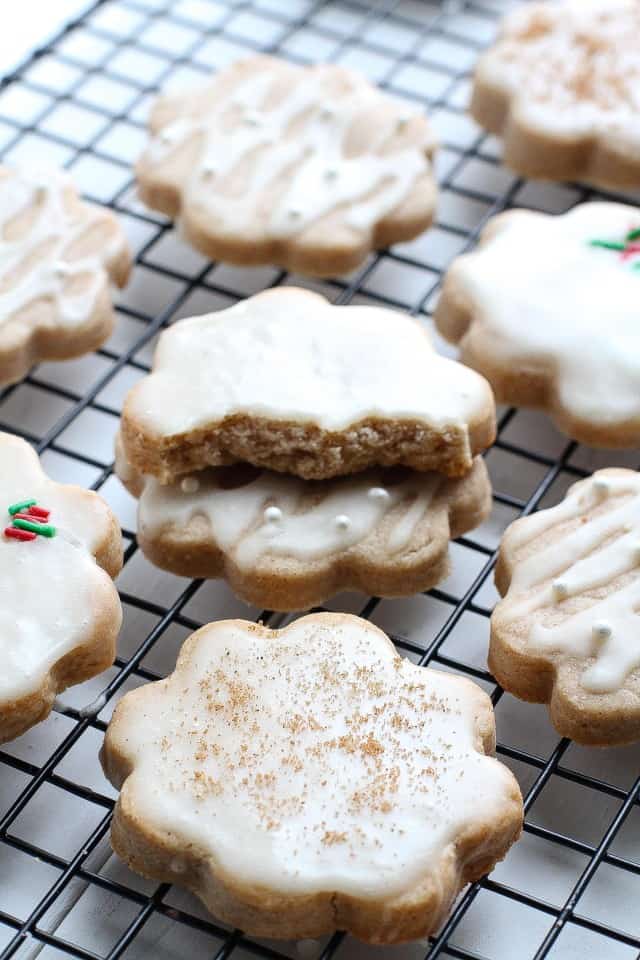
pixel 577 568
pixel 269 514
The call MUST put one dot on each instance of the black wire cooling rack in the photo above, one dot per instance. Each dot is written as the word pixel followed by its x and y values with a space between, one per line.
pixel 571 887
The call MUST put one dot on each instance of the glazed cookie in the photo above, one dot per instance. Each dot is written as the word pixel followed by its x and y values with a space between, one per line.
pixel 566 632
pixel 560 86
pixel 288 544
pixel 309 167
pixel 285 381
pixel 60 610
pixel 547 309
pixel 57 256
pixel 310 779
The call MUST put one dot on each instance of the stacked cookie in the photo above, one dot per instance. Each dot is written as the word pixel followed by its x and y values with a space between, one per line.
pixel 298 449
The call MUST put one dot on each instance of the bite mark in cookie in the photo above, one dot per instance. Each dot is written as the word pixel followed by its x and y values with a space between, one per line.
pixel 566 631
pixel 57 256
pixel 560 86
pixel 59 610
pixel 547 308
pixel 285 381
pixel 288 544
pixel 306 167
pixel 309 779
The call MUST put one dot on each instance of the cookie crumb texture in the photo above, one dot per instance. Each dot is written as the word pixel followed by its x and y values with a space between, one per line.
pixel 59 609
pixel 310 779
pixel 286 381
pixel 561 87
pixel 309 168
pixel 288 544
pixel 57 257
pixel 547 309
pixel 566 632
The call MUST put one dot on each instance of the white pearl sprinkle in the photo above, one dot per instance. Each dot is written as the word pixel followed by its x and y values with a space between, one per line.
pixel 560 590
pixel 208 170
pixel 294 213
pixel 61 269
pixel 273 514
pixel 402 122
pixel 189 485
pixel 327 113
pixel 601 631
pixel 601 486
pixel 166 136
pixel 252 119
pixel 342 521
pixel 331 173
pixel 378 493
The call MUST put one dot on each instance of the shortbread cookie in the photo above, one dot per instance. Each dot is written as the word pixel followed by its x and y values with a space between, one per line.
pixel 548 310
pixel 287 544
pixel 309 167
pixel 567 632
pixel 57 256
pixel 561 87
pixel 284 380
pixel 310 779
pixel 61 614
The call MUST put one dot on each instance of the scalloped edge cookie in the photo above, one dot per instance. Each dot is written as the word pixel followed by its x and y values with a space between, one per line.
pixel 306 167
pixel 58 256
pixel 532 148
pixel 394 544
pixel 562 634
pixel 260 894
pixel 86 534
pixel 546 308
pixel 286 381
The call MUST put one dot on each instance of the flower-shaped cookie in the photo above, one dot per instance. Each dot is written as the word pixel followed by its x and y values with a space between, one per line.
pixel 57 255
pixel 284 380
pixel 306 167
pixel 561 87
pixel 310 779
pixel 60 612
pixel 566 632
pixel 548 308
pixel 289 544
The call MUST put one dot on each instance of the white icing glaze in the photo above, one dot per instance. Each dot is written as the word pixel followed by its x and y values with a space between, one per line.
pixel 48 587
pixel 52 233
pixel 317 760
pixel 573 67
pixel 289 355
pixel 274 515
pixel 547 299
pixel 588 558
pixel 276 122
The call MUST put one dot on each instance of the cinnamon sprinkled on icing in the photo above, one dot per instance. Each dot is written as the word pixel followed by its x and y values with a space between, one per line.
pixel 315 756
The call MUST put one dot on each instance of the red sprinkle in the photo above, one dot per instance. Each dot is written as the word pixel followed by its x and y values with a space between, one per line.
pixel 27 516
pixel 17 534
pixel 631 250
pixel 38 512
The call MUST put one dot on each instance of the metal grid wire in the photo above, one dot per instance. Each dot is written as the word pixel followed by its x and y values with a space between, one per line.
pixel 571 886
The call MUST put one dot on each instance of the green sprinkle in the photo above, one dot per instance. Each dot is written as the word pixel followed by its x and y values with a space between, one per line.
pixel 607 244
pixel 43 529
pixel 633 235
pixel 636 265
pixel 19 507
